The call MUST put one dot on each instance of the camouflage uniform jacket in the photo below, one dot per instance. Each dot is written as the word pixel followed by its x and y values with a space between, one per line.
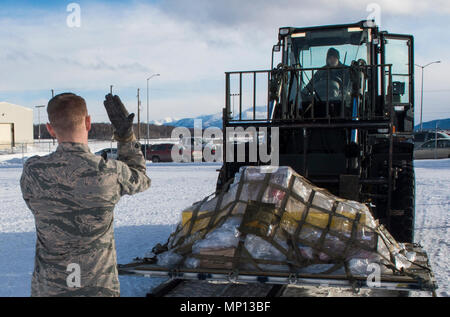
pixel 72 193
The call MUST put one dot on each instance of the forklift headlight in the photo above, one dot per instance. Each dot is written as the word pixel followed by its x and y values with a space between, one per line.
pixel 303 34
pixel 284 31
pixel 354 29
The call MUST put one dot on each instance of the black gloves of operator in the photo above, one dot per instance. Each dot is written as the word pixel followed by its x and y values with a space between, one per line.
pixel 120 119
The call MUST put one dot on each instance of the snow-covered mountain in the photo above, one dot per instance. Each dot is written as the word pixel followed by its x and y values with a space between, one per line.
pixel 215 120
pixel 165 121
pixel 212 120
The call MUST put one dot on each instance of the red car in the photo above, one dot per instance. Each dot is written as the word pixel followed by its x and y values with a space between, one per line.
pixel 161 152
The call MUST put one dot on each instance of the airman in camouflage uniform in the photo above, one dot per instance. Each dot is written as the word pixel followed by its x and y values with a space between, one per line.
pixel 72 194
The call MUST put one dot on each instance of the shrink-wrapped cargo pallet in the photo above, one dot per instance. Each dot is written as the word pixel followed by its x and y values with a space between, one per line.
pixel 272 219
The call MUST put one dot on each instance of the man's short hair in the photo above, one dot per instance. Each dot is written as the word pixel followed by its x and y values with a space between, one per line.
pixel 66 111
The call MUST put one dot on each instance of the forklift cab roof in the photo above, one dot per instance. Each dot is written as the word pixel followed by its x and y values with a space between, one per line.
pixel 327 30
pixel 336 36
pixel 307 47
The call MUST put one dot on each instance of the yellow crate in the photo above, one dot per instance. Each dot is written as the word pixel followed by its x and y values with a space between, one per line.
pixel 199 224
pixel 320 219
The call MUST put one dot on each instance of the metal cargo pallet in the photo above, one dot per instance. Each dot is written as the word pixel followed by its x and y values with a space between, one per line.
pixel 420 278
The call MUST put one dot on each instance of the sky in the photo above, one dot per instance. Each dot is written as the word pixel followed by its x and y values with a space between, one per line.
pixel 190 43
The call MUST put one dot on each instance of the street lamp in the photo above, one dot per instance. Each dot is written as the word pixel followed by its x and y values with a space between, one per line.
pixel 421 98
pixel 148 118
pixel 39 120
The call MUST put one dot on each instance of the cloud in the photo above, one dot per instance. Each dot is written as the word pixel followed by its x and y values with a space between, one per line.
pixel 128 43
pixel 265 13
pixel 190 43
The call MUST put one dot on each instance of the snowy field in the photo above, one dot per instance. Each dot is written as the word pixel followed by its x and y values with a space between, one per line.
pixel 143 220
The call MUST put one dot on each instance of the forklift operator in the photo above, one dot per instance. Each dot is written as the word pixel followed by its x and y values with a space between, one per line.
pixel 327 78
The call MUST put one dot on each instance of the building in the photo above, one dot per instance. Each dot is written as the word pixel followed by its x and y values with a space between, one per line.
pixel 16 125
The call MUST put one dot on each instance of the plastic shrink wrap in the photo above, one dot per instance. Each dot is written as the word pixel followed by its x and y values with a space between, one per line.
pixel 272 219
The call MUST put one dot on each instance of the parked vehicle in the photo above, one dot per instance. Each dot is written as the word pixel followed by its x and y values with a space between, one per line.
pixel 428 150
pixel 109 153
pixel 161 152
pixel 195 143
pixel 425 136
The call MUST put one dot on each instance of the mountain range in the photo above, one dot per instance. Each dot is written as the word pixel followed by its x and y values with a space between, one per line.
pixel 212 120
pixel 215 120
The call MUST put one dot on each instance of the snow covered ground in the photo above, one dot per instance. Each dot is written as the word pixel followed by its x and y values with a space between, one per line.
pixel 433 217
pixel 143 220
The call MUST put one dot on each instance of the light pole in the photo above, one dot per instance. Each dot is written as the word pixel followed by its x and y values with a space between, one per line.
pixel 139 115
pixel 148 118
pixel 421 93
pixel 53 95
pixel 39 120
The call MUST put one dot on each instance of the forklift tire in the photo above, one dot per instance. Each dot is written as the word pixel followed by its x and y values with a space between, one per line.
pixel 403 198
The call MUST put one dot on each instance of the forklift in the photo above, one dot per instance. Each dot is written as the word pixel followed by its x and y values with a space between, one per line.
pixel 339 105
pixel 347 126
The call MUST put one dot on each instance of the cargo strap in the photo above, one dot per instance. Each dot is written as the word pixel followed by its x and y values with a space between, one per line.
pixel 267 226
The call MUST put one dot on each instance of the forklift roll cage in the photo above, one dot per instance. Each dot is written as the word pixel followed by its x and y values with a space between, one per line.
pixel 376 114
